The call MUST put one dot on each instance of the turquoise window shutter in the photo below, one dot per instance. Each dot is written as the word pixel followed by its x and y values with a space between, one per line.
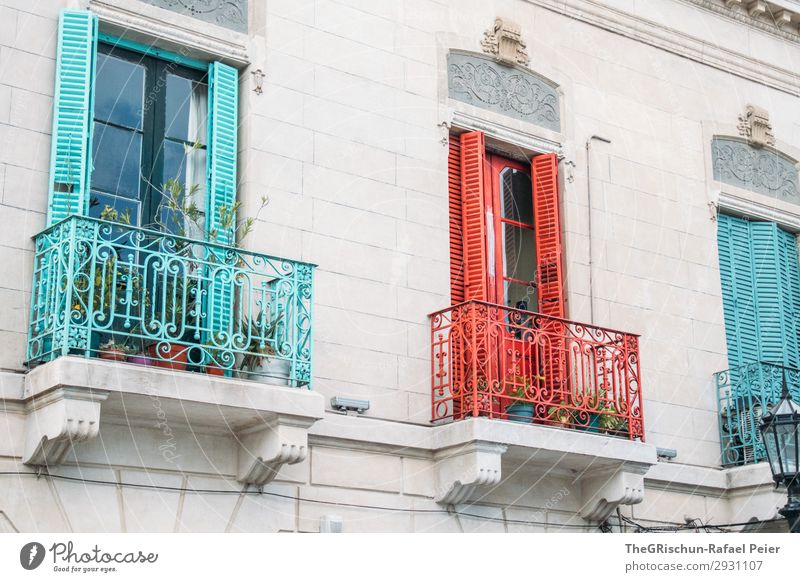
pixel 738 290
pixel 223 104
pixel 70 165
pixel 768 291
pixel 760 275
pixel 789 273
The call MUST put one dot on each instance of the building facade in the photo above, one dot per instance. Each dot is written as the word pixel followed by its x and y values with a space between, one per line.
pixel 404 266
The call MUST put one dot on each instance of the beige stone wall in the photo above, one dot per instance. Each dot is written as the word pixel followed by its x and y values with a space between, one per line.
pixel 345 140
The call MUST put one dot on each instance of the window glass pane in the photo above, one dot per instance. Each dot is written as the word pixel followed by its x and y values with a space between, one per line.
pixel 116 157
pixel 185 165
pixel 113 208
pixel 516 195
pixel 520 296
pixel 119 91
pixel 186 109
pixel 519 253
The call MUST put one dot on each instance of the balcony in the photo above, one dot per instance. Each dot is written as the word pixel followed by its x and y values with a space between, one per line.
pixel 108 290
pixel 745 394
pixel 508 364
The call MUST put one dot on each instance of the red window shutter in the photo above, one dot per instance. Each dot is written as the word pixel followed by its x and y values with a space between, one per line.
pixel 456 230
pixel 473 216
pixel 544 175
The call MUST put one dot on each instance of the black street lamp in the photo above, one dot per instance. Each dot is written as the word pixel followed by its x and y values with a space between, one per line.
pixel 780 430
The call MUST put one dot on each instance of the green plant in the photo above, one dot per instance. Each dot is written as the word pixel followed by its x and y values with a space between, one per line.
pixel 261 345
pixel 112 345
pixel 561 414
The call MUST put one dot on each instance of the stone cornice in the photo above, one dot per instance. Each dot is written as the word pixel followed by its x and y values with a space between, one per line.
pixel 764 22
pixel 674 41
pixel 153 25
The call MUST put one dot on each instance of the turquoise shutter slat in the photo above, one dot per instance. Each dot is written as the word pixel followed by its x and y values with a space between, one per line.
pixel 738 291
pixel 70 152
pixel 223 103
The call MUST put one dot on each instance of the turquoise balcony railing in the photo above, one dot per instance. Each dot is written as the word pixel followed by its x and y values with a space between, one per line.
pixel 125 293
pixel 745 395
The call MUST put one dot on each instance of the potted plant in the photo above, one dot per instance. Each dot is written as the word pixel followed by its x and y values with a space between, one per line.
pixel 113 350
pixel 520 409
pixel 216 356
pixel 260 361
pixel 560 415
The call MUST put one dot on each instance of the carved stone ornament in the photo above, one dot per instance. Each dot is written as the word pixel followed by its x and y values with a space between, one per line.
pixel 58 420
pixel 467 471
pixel 755 126
pixel 504 41
pixel 262 452
pixel 760 170
pixel 605 490
pixel 228 13
pixel 512 91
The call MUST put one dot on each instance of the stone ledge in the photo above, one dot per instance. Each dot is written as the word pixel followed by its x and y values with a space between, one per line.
pixel 65 400
pixel 172 31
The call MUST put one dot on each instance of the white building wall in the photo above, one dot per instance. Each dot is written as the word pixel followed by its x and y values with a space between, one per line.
pixel 347 143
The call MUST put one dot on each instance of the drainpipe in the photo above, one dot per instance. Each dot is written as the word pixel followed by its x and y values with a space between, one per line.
pixel 589 228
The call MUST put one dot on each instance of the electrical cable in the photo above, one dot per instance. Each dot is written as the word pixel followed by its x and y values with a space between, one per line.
pixel 667 527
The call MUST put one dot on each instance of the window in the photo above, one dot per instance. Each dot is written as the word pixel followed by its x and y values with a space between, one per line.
pixel 128 118
pixel 505 238
pixel 149 127
pixel 760 276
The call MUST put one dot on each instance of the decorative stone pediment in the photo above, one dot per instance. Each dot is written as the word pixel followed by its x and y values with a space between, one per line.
pixel 228 13
pixel 509 90
pixel 504 41
pixel 754 126
pixel 761 170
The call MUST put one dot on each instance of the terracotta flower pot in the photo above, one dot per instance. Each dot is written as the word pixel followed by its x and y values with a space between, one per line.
pixel 113 354
pixel 214 370
pixel 174 358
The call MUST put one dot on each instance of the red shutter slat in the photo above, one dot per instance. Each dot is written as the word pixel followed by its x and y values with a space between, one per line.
pixel 456 231
pixel 473 216
pixel 544 175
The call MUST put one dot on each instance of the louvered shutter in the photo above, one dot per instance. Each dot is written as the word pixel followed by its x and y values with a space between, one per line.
pixel 70 152
pixel 223 104
pixel 473 216
pixel 456 230
pixel 790 297
pixel 547 224
pixel 738 291
pixel 776 297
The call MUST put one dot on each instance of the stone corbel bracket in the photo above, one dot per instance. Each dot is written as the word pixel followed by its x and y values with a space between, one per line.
pixel 463 470
pixel 59 419
pixel 606 489
pixel 263 451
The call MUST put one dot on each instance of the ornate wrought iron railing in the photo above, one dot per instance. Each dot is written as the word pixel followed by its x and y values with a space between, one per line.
pixel 745 394
pixel 120 292
pixel 499 362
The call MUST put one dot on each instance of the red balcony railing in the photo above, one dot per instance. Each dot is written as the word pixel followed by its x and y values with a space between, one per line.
pixel 494 361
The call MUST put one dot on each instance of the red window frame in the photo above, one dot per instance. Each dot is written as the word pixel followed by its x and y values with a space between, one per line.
pixel 497 275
